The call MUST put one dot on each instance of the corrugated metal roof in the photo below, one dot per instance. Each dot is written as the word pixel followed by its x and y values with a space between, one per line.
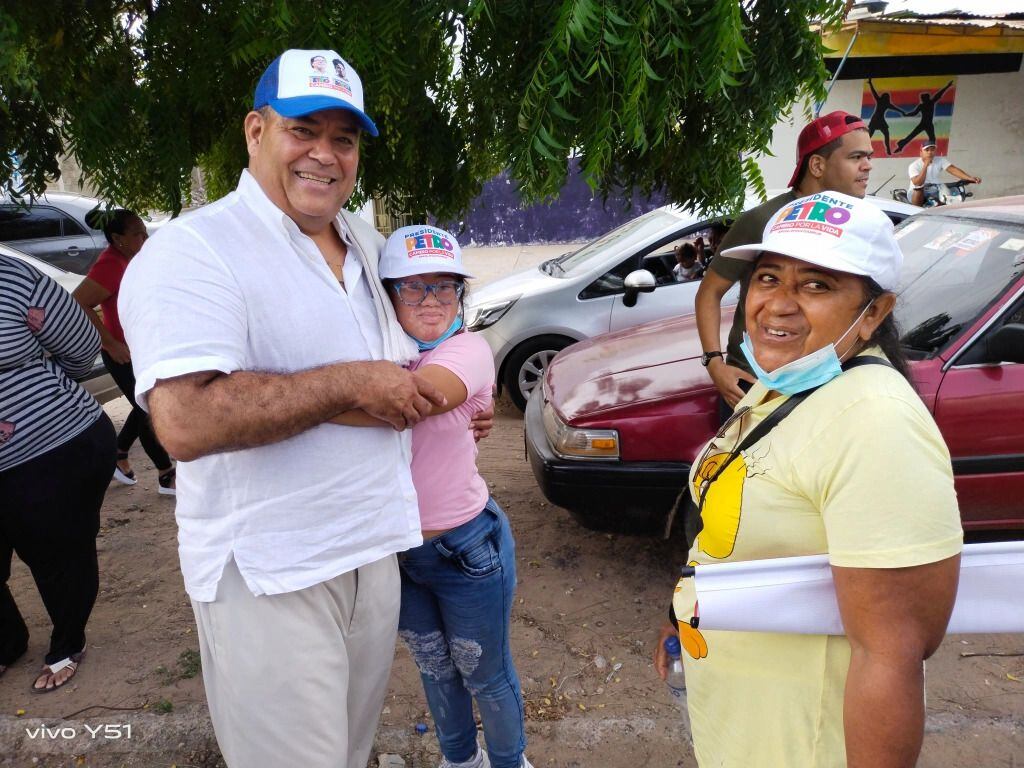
pixel 948 22
pixel 978 14
pixel 990 9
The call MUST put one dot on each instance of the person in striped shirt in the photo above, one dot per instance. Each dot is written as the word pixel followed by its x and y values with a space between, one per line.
pixel 57 453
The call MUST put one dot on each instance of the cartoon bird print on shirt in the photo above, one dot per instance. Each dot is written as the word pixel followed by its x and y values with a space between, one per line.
pixel 723 503
pixel 690 638
pixel 721 517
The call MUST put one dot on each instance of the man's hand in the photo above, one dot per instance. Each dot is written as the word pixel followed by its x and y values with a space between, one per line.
pixel 703 257
pixel 726 378
pixel 395 395
pixel 118 350
pixel 483 422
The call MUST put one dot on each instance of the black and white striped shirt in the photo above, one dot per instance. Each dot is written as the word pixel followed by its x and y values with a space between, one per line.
pixel 46 342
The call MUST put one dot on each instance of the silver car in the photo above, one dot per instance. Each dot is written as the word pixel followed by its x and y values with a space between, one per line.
pixel 622 279
pixel 55 228
pixel 99 382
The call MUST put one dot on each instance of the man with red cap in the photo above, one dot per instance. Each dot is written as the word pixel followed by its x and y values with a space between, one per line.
pixel 832 153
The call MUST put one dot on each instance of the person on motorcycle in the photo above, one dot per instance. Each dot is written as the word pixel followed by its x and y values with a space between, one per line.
pixel 926 175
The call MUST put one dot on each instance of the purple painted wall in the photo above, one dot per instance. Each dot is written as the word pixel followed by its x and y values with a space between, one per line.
pixel 497 217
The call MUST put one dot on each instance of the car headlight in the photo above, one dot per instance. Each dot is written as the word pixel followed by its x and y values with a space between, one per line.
pixel 573 443
pixel 485 315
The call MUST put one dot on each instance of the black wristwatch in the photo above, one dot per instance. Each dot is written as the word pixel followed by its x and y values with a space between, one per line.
pixel 708 356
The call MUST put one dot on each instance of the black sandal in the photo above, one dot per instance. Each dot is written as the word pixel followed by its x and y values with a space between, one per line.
pixel 125 478
pixel 166 481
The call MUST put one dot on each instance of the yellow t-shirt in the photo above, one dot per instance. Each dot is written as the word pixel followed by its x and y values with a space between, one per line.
pixel 860 471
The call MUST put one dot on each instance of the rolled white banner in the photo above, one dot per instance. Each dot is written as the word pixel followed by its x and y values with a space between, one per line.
pixel 796 594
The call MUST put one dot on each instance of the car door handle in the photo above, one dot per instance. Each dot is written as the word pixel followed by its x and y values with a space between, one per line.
pixel 73 250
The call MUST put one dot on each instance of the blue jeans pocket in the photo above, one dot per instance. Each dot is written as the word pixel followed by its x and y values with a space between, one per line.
pixel 471 547
pixel 479 559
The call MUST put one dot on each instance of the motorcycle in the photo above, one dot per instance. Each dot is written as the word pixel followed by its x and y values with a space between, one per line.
pixel 946 193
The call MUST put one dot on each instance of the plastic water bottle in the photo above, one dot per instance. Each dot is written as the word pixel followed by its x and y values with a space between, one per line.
pixel 676 679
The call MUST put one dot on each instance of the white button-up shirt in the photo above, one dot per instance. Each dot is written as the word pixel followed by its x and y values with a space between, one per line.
pixel 236 286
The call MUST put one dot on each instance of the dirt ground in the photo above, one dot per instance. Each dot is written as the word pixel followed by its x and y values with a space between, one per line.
pixel 587 607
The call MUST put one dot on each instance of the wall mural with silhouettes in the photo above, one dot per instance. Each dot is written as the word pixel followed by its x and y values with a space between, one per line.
pixel 903 113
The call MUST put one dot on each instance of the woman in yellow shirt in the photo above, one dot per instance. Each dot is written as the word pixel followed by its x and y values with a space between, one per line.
pixel 831 452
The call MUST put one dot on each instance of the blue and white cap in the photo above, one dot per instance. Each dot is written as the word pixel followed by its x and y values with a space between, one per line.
pixel 300 82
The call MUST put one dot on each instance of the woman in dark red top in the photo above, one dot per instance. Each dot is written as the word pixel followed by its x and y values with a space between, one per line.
pixel 126 233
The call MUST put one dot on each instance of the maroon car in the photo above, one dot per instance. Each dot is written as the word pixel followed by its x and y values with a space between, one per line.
pixel 620 418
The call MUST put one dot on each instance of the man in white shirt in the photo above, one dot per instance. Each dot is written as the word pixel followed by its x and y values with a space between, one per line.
pixel 252 323
pixel 926 172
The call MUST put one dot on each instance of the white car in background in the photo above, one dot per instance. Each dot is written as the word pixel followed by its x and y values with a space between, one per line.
pixel 99 382
pixel 622 279
pixel 58 228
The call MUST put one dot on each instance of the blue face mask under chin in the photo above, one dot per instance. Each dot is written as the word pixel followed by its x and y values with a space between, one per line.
pixel 454 328
pixel 812 370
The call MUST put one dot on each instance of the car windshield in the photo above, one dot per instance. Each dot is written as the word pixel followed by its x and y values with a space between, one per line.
pixel 621 240
pixel 953 269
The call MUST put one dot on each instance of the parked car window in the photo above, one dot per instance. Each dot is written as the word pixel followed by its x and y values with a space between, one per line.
pixel 28 224
pixel 9 223
pixel 959 265
pixel 612 281
pixel 658 259
pixel 625 238
pixel 979 352
pixel 660 265
pixel 71 227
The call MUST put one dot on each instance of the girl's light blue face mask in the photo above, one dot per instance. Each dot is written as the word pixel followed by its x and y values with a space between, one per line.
pixel 811 370
pixel 452 330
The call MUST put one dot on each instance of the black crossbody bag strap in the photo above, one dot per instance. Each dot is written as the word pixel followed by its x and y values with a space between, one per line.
pixel 772 420
pixel 856 362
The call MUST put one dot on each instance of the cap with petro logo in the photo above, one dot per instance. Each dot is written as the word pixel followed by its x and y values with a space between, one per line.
pixel 421 250
pixel 300 82
pixel 834 231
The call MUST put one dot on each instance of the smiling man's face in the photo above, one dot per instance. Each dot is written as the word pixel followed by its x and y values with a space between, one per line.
pixel 306 165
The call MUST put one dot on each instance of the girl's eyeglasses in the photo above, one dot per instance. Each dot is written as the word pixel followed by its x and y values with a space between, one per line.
pixel 412 293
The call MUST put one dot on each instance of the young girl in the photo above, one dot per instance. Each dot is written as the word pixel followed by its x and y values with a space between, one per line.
pixel 458 586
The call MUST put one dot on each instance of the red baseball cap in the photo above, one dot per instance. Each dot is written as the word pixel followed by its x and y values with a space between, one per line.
pixel 817 133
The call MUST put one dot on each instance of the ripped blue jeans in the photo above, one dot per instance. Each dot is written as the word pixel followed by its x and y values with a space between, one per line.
pixel 457 592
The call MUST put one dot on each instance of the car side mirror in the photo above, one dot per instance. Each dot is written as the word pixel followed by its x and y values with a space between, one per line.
pixel 1006 344
pixel 638 281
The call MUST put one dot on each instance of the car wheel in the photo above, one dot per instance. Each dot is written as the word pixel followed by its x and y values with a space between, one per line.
pixel 525 367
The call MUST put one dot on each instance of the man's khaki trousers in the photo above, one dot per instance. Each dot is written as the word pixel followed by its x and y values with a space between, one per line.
pixel 298 679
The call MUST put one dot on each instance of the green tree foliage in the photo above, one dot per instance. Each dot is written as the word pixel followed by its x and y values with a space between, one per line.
pixel 649 93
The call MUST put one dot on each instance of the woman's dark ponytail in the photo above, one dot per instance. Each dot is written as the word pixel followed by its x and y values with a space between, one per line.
pixel 887 335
